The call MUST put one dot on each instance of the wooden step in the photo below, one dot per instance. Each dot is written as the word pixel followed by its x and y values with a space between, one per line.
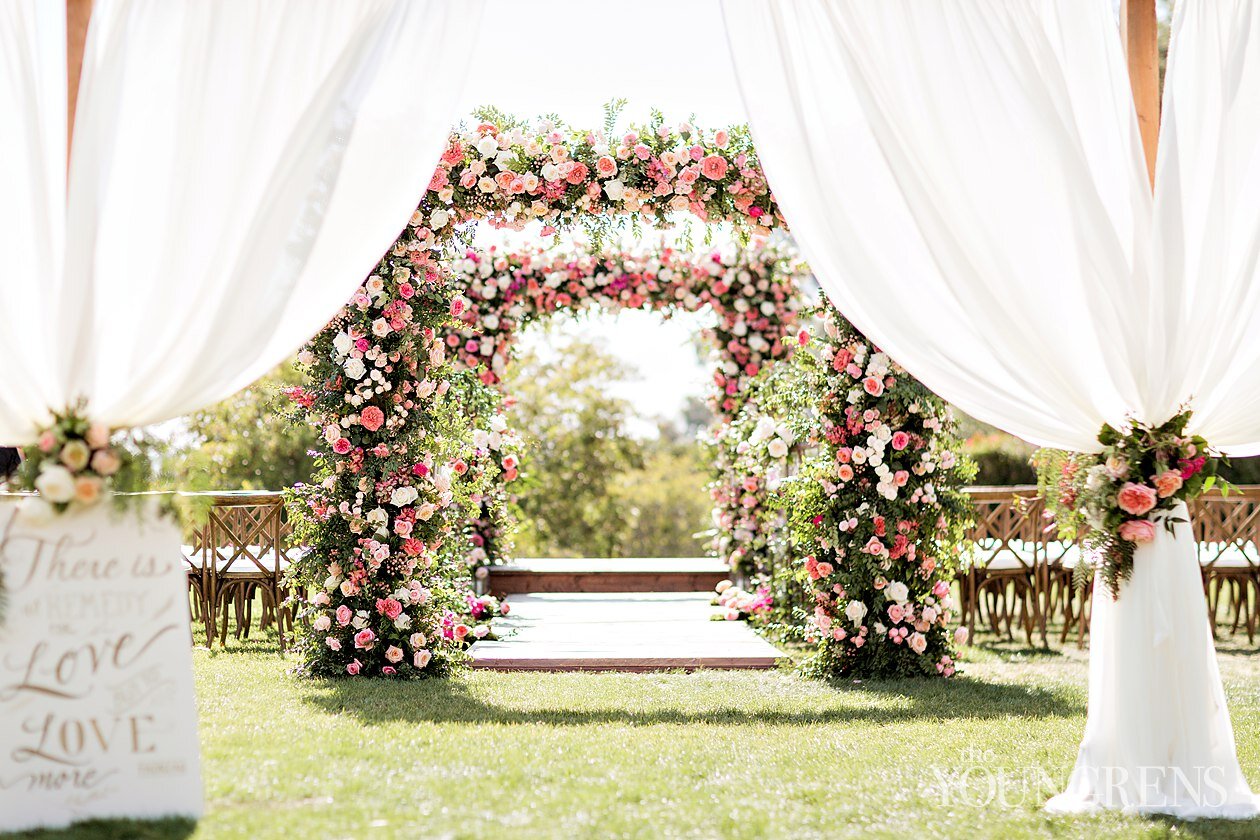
pixel 619 632
pixel 620 574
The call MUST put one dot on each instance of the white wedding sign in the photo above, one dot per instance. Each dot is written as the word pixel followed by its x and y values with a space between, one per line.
pixel 98 717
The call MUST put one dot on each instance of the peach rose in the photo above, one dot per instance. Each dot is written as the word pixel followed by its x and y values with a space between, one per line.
pixel 1136 499
pixel 1168 483
pixel 87 490
pixel 606 166
pixel 713 167
pixel 1138 531
pixel 394 654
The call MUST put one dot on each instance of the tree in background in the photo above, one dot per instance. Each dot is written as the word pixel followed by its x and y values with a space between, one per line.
pixel 576 451
pixel 668 498
pixel 589 489
pixel 246 442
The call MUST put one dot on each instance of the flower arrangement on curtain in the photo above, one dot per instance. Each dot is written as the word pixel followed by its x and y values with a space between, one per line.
pixel 402 473
pixel 876 514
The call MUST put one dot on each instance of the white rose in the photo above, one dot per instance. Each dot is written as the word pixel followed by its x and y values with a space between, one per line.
pixel 403 496
pixel 438 219
pixel 777 448
pixel 615 190
pixel 355 368
pixel 488 145
pixel 898 592
pixel 55 484
pixel 855 612
pixel 377 517
pixel 342 343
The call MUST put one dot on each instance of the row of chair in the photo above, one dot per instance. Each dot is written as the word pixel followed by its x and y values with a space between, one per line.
pixel 1020 574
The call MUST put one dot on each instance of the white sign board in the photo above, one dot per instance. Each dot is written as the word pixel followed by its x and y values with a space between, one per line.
pixel 98 717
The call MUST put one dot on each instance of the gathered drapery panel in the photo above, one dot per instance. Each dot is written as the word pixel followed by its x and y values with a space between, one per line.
pixel 967 182
pixel 238 168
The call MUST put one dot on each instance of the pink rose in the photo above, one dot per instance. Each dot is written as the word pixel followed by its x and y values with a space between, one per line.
pixel 365 639
pixel 421 659
pixel 372 418
pixel 713 167
pixel 389 607
pixel 960 636
pixel 721 139
pixel 873 385
pixel 1137 531
pixel 900 440
pixel 342 446
pixel 344 615
pixel 1168 482
pixel 1136 499
pixel 606 166
pixel 354 668
pixel 333 643
pixel 47 441
pixel 918 642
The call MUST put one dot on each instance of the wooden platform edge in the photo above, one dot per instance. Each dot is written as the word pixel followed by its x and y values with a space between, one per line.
pixel 759 663
pixel 526 582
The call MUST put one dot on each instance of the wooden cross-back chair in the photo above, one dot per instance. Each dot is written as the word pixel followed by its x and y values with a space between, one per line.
pixel 239 554
pixel 1002 584
pixel 1227 531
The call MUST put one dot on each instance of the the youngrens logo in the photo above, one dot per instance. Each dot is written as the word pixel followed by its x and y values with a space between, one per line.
pixel 980 780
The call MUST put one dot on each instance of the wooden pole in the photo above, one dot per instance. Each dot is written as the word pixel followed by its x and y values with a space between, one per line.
pixel 1140 31
pixel 78 13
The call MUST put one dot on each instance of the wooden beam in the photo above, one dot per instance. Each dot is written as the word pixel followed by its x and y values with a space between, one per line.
pixel 1140 31
pixel 78 13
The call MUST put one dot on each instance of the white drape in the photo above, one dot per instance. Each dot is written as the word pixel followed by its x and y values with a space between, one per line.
pixel 967 182
pixel 237 169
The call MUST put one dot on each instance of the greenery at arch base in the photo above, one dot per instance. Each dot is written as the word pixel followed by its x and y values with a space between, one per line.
pixel 414 452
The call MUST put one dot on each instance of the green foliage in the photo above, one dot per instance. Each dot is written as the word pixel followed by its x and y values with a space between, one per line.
pixel 667 499
pixel 1000 459
pixel 246 442
pixel 576 450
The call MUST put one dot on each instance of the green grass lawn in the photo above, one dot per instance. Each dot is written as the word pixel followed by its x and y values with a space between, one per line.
pixel 708 754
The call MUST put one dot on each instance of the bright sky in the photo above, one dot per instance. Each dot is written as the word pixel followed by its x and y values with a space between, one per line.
pixel 670 55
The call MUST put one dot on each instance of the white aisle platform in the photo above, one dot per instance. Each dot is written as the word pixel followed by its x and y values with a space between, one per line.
pixel 619 631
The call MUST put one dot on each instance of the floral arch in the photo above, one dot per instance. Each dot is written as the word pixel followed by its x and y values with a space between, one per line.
pixel 413 462
pixel 402 479
pixel 753 293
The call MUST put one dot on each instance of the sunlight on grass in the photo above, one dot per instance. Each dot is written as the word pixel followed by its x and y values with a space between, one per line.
pixel 708 754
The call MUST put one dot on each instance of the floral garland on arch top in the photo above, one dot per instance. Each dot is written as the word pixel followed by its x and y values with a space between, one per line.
pixel 400 470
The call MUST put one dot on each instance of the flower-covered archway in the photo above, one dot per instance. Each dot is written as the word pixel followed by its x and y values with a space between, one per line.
pixel 753 292
pixel 414 453
pixel 404 472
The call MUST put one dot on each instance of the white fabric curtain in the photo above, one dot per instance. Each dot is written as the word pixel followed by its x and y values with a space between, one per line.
pixel 238 168
pixel 967 182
